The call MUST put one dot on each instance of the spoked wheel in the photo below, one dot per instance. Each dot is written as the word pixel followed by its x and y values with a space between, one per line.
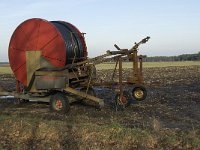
pixel 122 102
pixel 139 93
pixel 59 103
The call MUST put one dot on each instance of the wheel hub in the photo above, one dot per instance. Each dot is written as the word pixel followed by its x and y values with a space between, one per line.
pixel 122 100
pixel 138 93
pixel 58 104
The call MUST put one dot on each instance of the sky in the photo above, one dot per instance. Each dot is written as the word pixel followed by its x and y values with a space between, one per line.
pixel 173 25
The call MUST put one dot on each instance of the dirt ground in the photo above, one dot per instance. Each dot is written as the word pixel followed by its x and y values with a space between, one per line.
pixel 173 102
pixel 173 95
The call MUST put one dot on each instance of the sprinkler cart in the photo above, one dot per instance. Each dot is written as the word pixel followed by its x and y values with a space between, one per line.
pixel 49 61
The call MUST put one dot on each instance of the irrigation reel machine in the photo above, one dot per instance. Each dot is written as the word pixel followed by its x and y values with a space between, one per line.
pixel 49 61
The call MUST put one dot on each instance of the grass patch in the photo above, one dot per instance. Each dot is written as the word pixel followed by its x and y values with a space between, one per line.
pixel 5 70
pixel 127 65
pixel 19 132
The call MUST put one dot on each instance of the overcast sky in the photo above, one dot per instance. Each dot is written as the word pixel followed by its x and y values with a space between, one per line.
pixel 173 25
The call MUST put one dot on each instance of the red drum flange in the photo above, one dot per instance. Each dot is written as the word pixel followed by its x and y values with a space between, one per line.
pixel 39 35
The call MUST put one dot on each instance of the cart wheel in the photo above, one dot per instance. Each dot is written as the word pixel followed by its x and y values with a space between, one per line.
pixel 59 103
pixel 139 93
pixel 125 101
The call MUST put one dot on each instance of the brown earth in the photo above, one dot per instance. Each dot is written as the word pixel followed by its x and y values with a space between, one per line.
pixel 173 96
pixel 172 108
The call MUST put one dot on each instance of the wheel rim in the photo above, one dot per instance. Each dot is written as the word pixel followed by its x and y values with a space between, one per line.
pixel 138 93
pixel 58 104
pixel 122 100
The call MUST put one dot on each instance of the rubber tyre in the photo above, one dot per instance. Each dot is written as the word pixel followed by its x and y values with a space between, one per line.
pixel 122 104
pixel 59 103
pixel 139 93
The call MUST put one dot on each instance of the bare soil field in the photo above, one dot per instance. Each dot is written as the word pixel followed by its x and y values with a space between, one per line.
pixel 169 118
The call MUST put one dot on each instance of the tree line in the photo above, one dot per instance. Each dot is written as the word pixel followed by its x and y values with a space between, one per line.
pixel 183 57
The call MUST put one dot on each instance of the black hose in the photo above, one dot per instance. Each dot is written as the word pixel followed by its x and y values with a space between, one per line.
pixel 73 44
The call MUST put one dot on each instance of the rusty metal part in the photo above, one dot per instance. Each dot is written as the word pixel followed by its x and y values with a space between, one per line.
pixel 120 78
pixel 113 75
pixel 84 95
